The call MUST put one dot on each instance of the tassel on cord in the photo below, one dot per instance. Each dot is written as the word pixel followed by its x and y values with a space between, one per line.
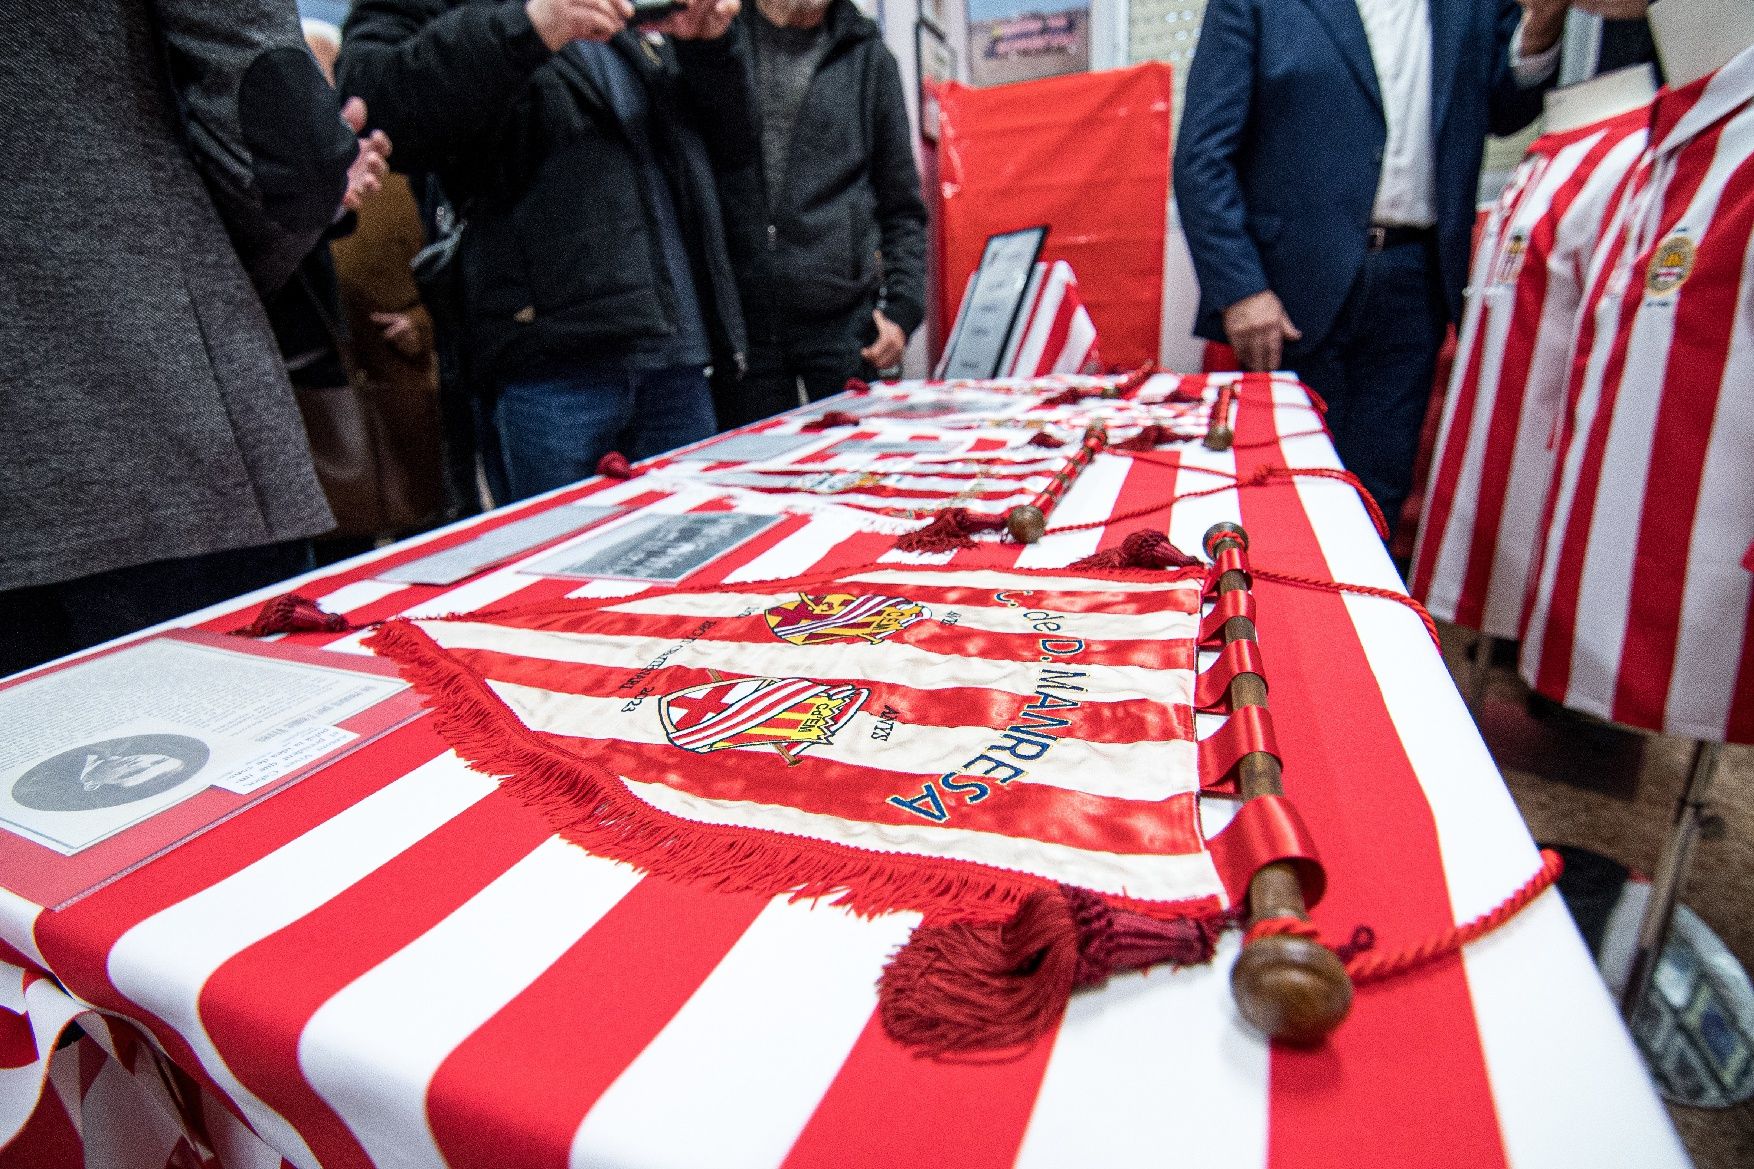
pixel 987 989
pixel 1150 437
pixel 1144 548
pixel 292 613
pixel 1042 438
pixel 856 386
pixel 830 420
pixel 954 529
pixel 614 465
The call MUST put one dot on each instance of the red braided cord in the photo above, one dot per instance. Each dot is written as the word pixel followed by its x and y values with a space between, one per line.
pixel 1336 586
pixel 1259 443
pixel 1259 478
pixel 1377 966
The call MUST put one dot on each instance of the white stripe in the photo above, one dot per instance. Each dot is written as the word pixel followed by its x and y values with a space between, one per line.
pixel 1091 497
pixel 1029 360
pixel 922 670
pixel 359 594
pixel 1709 652
pixel 987 618
pixel 752 1051
pixel 1080 340
pixel 1156 877
pixel 162 963
pixel 414 1009
pixel 1154 1064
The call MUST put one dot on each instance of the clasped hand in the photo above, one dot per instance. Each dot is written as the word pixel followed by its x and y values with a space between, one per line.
pixel 558 22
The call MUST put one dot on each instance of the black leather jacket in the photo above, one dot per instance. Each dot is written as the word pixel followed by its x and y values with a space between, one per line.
pixel 560 258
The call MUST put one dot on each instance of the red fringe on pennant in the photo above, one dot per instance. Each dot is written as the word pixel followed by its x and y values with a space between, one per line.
pixel 593 808
pixel 292 613
pixel 830 420
pixel 1141 549
pixel 973 990
pixel 614 465
pixel 1150 437
pixel 1063 398
pixel 953 530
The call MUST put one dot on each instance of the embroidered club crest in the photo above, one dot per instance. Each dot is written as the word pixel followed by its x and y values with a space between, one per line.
pixel 790 715
pixel 1510 260
pixel 839 618
pixel 1670 266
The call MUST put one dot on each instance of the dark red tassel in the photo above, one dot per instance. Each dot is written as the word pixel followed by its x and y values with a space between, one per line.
pixel 832 419
pixel 1150 437
pixel 1141 549
pixel 1063 398
pixel 1042 438
pixel 991 989
pixel 857 386
pixel 954 529
pixel 291 613
pixel 614 465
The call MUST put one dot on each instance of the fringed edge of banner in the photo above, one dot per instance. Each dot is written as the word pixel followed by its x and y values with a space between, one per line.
pixel 593 808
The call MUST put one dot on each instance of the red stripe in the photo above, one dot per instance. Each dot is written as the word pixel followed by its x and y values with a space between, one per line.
pixel 1055 344
pixel 1453 442
pixel 1692 385
pixel 1028 319
pixel 1366 1096
pixel 516 1091
pixel 889 1108
pixel 1553 673
pixel 299 968
pixel 1502 430
pixel 76 941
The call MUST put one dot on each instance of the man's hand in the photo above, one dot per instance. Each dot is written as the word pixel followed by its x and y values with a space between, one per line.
pixel 702 20
pixel 1544 22
pixel 366 174
pixel 1258 329
pixel 885 352
pixel 559 22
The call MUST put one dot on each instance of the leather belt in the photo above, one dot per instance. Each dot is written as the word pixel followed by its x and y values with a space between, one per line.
pixel 1381 236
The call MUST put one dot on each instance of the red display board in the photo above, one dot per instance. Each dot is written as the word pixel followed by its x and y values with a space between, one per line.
pixel 1087 154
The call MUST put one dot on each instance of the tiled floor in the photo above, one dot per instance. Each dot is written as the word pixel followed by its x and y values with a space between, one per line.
pixel 1614 792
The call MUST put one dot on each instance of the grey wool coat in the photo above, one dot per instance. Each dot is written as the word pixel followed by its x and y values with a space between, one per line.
pixel 144 411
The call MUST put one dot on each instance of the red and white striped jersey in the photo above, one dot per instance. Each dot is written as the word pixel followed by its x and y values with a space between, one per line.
pixel 1494 454
pixel 1639 602
pixel 1056 334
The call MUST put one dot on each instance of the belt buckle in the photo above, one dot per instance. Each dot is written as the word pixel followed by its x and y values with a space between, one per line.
pixel 1376 238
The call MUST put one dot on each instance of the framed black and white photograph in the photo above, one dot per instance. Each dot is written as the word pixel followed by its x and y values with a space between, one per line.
pixel 992 303
pixel 658 548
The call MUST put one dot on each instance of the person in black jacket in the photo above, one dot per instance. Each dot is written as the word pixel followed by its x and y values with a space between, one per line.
pixel 826 224
pixel 596 287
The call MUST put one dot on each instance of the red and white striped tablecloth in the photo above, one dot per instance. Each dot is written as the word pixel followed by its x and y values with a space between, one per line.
pixel 392 963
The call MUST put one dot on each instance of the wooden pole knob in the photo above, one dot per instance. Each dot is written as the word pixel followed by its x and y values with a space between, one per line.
pixel 1292 989
pixel 1026 523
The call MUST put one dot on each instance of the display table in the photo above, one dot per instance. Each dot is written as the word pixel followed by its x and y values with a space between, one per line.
pixel 392 962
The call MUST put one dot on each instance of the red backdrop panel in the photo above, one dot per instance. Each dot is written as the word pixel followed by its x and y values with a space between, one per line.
pixel 1088 155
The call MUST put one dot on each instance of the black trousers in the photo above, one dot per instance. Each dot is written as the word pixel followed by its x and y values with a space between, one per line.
pixel 43 622
pixel 1375 367
pixel 792 365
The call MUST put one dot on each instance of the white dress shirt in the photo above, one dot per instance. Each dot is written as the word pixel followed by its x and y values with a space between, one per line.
pixel 1399 32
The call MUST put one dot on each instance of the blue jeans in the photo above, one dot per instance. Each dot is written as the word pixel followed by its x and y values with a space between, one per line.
pixel 1375 369
pixel 552 430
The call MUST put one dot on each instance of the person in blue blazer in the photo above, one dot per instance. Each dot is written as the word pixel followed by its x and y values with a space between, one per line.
pixel 1326 176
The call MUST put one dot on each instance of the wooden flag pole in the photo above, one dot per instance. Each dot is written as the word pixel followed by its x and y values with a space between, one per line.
pixel 1028 522
pixel 1291 987
pixel 1219 435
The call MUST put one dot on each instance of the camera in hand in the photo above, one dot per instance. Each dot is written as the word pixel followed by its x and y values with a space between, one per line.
pixel 652 11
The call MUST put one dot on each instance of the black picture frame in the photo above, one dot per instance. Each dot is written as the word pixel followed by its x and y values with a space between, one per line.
pixel 994 300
